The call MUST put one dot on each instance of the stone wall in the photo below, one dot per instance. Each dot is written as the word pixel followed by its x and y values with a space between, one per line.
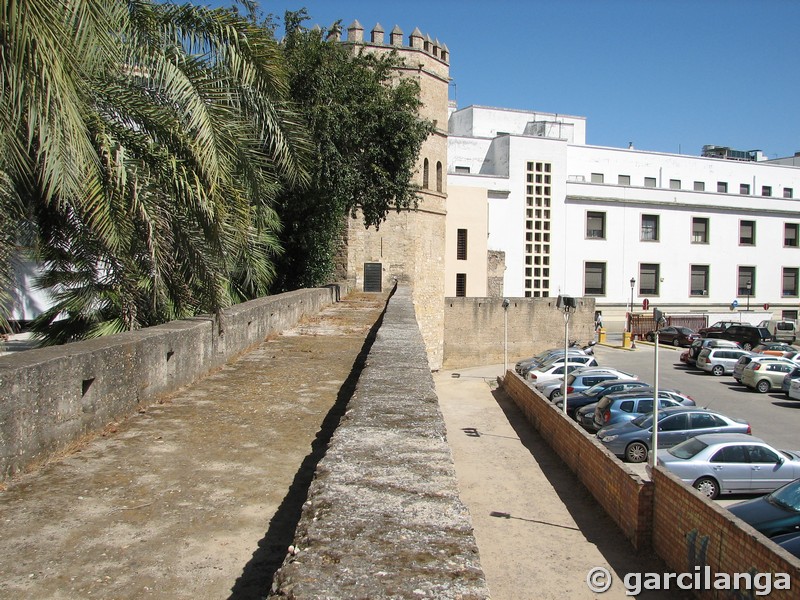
pixel 51 397
pixel 383 517
pixel 475 328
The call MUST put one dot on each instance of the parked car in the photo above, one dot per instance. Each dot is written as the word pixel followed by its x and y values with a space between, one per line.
pixel 775 348
pixel 551 372
pixel 741 364
pixel 719 361
pixel 677 336
pixel 579 361
pixel 730 463
pixel 766 375
pixel 717 327
pixel 788 378
pixel 784 330
pixel 594 393
pixel 794 389
pixel 748 336
pixel 580 380
pixel 698 345
pixel 618 408
pixel 793 356
pixel 543 357
pixel 777 513
pixel 631 440
pixel 789 542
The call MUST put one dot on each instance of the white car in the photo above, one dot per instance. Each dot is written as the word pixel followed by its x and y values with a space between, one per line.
pixel 579 380
pixel 719 361
pixel 553 372
pixel 794 389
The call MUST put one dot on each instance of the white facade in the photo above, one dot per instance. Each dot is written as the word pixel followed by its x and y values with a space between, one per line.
pixel 585 220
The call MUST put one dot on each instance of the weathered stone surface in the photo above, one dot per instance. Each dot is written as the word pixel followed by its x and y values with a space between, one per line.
pixel 383 517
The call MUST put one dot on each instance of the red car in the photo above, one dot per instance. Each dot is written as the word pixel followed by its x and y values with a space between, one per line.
pixel 677 336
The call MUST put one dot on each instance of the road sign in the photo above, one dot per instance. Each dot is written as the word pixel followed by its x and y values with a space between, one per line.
pixel 766 306
pixel 645 304
pixel 735 303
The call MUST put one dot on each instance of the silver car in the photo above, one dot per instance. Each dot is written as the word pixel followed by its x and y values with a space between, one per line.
pixel 719 361
pixel 631 440
pixel 729 463
pixel 580 380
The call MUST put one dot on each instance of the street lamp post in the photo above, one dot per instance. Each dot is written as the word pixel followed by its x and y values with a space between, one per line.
pixel 505 335
pixel 749 288
pixel 567 304
pixel 630 313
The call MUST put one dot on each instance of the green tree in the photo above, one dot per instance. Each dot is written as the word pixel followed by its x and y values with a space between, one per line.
pixel 146 144
pixel 366 135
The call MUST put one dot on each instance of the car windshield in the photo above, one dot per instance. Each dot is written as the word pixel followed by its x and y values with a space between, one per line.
pixel 688 449
pixel 788 496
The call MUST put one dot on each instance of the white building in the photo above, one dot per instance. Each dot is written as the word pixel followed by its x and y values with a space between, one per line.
pixel 686 233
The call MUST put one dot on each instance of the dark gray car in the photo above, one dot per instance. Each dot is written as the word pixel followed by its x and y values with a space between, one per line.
pixel 631 441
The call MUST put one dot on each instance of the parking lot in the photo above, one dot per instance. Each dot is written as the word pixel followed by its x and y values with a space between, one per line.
pixel 773 417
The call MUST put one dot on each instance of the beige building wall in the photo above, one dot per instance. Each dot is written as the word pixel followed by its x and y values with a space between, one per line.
pixel 410 245
pixel 467 211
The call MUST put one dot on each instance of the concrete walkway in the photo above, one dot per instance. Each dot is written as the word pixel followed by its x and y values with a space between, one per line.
pixel 538 530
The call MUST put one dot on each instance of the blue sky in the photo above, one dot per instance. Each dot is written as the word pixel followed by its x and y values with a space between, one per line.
pixel 669 76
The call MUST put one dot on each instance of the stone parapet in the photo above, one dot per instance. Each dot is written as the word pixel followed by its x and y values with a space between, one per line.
pixel 383 517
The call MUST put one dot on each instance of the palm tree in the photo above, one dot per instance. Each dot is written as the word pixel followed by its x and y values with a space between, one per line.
pixel 173 137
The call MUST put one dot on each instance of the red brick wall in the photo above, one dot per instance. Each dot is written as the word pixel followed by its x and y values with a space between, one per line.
pixel 689 530
pixel 622 493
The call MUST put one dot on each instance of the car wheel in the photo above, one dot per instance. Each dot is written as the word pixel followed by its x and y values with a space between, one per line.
pixel 707 486
pixel 555 395
pixel 718 370
pixel 763 386
pixel 676 342
pixel 651 337
pixel 636 452
pixel 747 346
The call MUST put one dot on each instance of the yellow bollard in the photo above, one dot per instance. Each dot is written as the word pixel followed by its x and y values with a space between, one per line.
pixel 626 339
pixel 601 336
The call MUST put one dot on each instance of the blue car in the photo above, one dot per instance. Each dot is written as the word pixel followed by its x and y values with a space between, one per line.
pixel 777 513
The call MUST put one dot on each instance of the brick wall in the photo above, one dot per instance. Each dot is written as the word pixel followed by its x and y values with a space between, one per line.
pixel 622 493
pixel 691 531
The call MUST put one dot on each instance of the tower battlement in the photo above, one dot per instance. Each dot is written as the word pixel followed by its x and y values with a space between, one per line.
pixel 377 37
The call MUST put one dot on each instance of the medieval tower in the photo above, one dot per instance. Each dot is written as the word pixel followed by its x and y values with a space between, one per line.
pixel 410 246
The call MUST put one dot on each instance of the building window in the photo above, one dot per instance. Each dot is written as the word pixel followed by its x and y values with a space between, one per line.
pixel 790 281
pixel 790 235
pixel 648 279
pixel 722 187
pixel 699 186
pixel 766 190
pixel 624 179
pixel 595 279
pixel 747 281
pixel 425 173
pixel 747 233
pixel 596 225
pixel 597 178
pixel 744 189
pixel 674 184
pixel 650 228
pixel 462 170
pixel 699 230
pixel 461 284
pixel 461 245
pixel 699 282
pixel 650 182
pixel 788 193
pixel 439 183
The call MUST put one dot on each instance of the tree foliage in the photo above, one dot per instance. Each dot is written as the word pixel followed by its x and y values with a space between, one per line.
pixel 366 135
pixel 144 145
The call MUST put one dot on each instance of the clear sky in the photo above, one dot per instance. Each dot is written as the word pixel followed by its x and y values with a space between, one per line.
pixel 668 76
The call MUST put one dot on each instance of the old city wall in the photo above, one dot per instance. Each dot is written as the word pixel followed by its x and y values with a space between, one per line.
pixel 475 329
pixel 51 397
pixel 383 517
pixel 686 530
